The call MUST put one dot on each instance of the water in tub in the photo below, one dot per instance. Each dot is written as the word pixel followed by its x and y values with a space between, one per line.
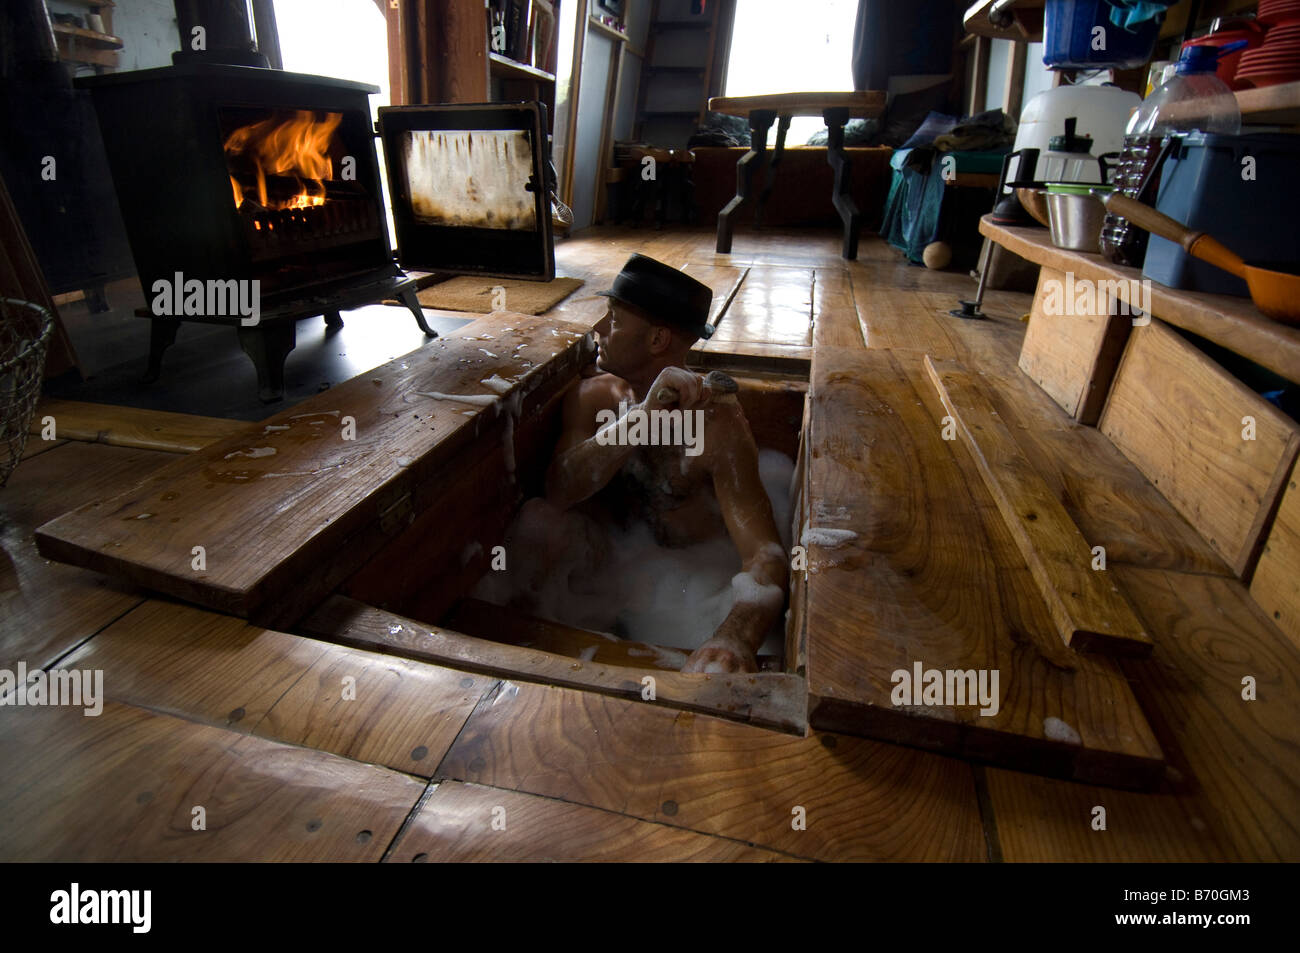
pixel 673 597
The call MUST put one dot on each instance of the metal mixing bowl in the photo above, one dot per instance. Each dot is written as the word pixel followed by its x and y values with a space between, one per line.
pixel 1075 221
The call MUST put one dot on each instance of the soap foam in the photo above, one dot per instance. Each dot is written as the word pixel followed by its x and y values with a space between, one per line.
pixel 674 597
pixel 829 538
pixel 1057 730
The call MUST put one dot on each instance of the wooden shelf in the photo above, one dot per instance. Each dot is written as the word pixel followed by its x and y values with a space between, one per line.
pixel 1271 104
pixel 102 41
pixel 1234 323
pixel 607 30
pixel 507 68
pixel 1027 25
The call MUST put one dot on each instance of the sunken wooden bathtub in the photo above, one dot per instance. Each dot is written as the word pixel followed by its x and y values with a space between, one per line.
pixel 368 513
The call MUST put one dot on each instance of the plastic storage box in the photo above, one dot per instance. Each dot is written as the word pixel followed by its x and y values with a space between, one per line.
pixel 1068 30
pixel 1252 207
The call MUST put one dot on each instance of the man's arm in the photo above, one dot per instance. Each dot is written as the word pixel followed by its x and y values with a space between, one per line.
pixel 760 587
pixel 584 462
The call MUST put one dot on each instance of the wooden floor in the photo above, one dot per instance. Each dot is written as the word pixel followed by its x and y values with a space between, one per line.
pixel 291 748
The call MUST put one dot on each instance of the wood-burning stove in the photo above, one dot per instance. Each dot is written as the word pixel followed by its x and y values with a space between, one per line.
pixel 237 177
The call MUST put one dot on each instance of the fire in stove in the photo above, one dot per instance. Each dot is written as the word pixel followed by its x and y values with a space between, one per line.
pixel 292 152
pixel 282 168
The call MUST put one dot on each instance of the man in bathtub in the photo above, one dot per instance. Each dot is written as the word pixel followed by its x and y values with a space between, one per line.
pixel 703 486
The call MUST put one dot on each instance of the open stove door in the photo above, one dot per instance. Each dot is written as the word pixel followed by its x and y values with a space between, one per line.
pixel 470 186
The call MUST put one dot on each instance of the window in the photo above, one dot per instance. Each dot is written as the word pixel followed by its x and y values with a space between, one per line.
pixel 784 46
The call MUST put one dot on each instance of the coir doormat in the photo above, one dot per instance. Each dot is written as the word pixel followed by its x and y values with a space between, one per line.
pixel 485 295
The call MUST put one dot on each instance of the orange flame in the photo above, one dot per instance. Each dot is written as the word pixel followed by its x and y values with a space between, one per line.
pixel 297 147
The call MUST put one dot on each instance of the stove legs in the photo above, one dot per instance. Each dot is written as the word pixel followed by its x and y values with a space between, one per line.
pixel 268 345
pixel 162 335
pixel 333 321
pixel 408 297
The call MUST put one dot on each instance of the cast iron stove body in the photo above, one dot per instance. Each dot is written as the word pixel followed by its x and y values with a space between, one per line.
pixel 249 174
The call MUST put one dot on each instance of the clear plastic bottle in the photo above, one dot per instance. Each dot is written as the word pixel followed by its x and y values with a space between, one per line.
pixel 1194 99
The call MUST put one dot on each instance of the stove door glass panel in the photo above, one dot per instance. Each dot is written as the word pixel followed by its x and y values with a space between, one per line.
pixel 465 189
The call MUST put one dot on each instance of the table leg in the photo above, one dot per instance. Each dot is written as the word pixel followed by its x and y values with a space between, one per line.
pixel 760 121
pixel 782 127
pixel 842 194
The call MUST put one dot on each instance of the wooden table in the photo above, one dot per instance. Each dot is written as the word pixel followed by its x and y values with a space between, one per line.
pixel 762 111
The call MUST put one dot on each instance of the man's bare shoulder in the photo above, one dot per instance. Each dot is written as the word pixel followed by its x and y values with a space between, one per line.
pixel 604 385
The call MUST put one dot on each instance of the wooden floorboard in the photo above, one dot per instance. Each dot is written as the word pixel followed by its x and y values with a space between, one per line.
pixel 125 786
pixel 470 822
pixel 225 672
pixel 862 800
pixel 46 608
pixel 773 306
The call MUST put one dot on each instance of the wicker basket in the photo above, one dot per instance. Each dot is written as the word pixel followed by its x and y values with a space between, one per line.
pixel 25 331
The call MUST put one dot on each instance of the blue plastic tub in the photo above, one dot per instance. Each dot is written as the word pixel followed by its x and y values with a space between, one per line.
pixel 1208 185
pixel 1069 30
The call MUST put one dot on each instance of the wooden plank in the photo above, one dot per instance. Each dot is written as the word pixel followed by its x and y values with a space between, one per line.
pixel 749 358
pixel 1090 612
pixel 123 786
pixel 773 306
pixel 835 310
pixel 862 800
pixel 289 508
pixel 1276 583
pixel 47 608
pixel 1106 496
pixel 133 427
pixel 1242 756
pixel 436 560
pixel 774 410
pixel 724 280
pixel 1041 820
pixel 796 620
pixel 894 316
pixel 222 671
pixel 1181 419
pixel 1234 323
pixel 767 698
pixel 772 700
pixel 483 620
pixel 931 576
pixel 463 823
pixel 1072 356
pixel 1013 88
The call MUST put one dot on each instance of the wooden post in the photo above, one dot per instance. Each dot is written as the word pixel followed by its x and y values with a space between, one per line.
pixel 452 40
pixel 979 84
pixel 1013 97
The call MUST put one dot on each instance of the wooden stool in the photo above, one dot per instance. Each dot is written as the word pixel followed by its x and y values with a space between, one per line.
pixel 762 111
